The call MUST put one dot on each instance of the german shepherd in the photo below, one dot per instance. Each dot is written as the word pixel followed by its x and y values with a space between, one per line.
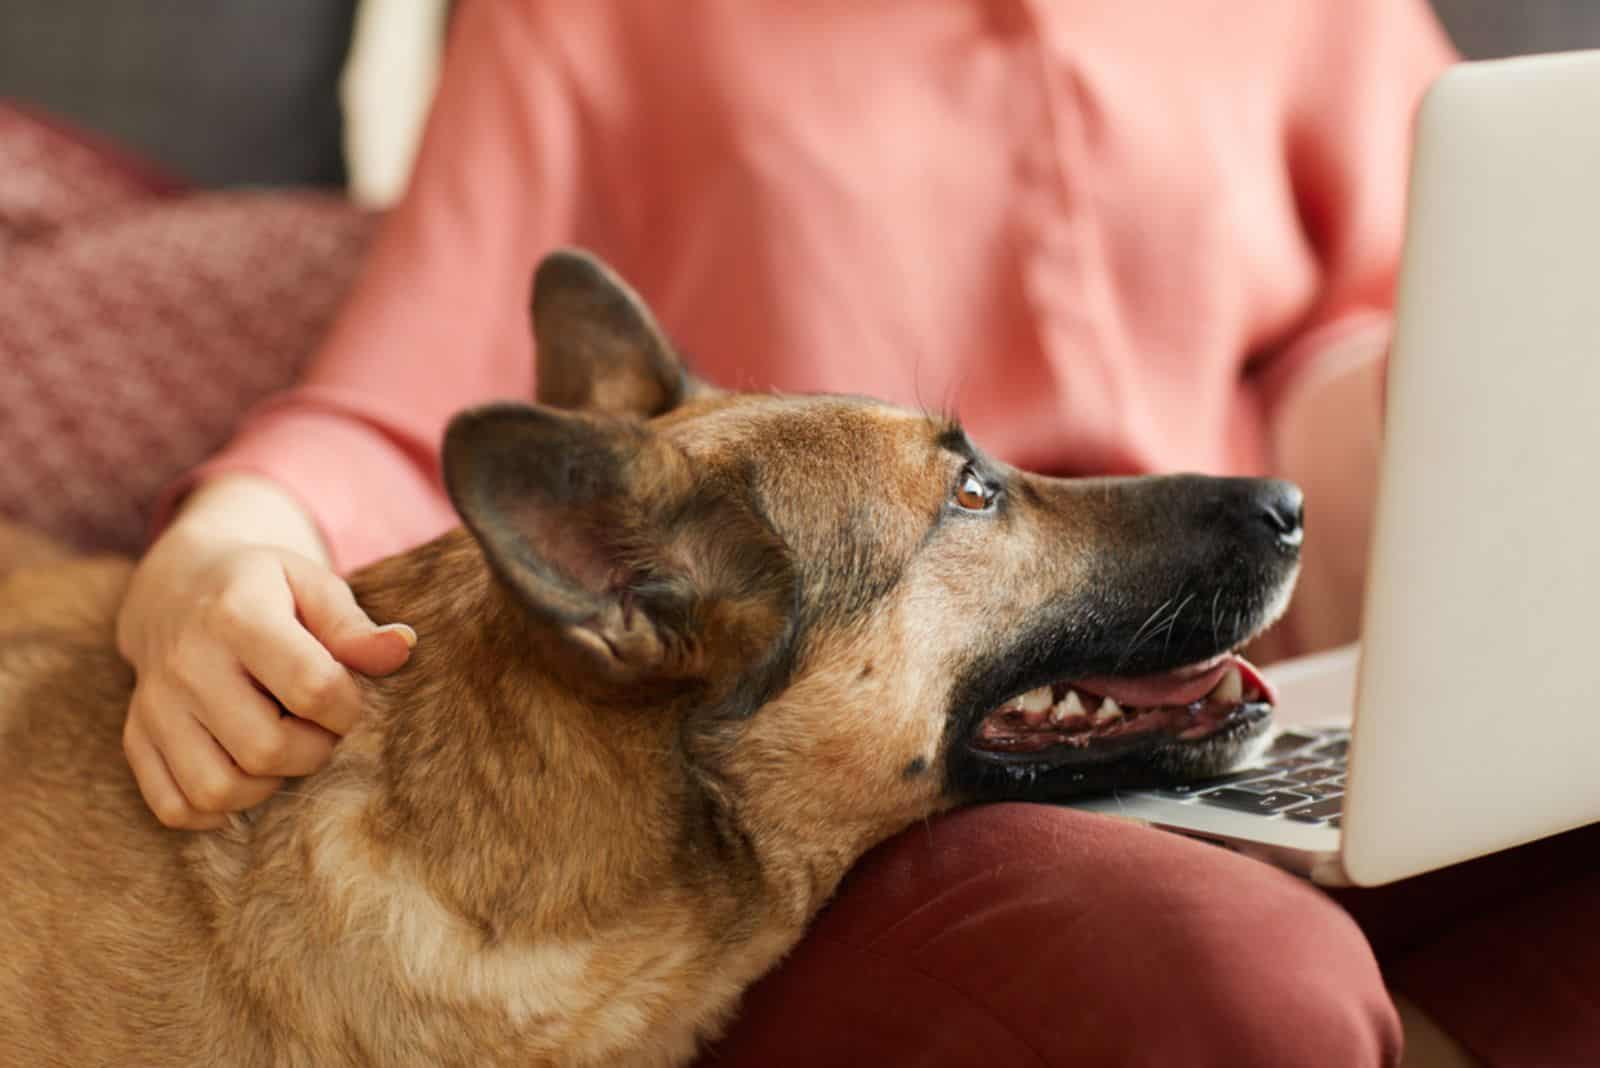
pixel 692 654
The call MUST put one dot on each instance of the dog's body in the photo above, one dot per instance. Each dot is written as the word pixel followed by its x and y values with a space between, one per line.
pixel 453 919
pixel 698 653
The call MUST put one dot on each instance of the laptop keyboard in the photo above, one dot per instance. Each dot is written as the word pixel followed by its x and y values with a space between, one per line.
pixel 1301 777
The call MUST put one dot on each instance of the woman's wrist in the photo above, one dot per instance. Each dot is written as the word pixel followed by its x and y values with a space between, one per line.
pixel 253 510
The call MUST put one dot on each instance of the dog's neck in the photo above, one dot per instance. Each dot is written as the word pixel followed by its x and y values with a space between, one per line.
pixel 494 839
pixel 483 752
pixel 452 836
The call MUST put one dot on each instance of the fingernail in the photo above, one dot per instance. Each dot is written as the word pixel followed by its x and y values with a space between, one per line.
pixel 405 632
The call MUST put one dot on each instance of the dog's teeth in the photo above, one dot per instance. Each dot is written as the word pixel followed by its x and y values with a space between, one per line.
pixel 1230 690
pixel 1109 711
pixel 1037 700
pixel 1069 707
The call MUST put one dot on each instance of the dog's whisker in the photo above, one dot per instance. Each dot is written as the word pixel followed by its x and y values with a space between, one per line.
pixel 1163 623
pixel 1172 622
pixel 1138 636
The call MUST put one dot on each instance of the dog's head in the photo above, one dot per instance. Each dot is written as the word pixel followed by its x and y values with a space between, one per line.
pixel 849 607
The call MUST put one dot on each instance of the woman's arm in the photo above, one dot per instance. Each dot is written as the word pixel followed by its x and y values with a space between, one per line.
pixel 437 321
pixel 239 595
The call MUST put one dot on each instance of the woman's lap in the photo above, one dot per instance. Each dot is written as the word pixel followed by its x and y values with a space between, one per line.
pixel 1030 934
pixel 1502 952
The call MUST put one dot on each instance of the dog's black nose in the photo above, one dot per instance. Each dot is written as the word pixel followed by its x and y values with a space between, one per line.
pixel 1283 507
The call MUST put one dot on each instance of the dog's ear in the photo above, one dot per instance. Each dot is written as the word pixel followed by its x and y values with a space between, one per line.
pixel 647 568
pixel 599 348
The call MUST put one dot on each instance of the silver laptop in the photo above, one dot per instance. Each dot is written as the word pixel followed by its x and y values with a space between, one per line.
pixel 1477 700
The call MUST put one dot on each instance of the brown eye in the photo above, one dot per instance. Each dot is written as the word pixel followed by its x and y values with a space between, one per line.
pixel 972 494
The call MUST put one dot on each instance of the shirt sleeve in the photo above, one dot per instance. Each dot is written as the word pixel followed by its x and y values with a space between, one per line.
pixel 1360 72
pixel 438 318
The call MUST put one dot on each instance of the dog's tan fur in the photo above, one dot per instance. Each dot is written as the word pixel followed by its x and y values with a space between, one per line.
pixel 538 847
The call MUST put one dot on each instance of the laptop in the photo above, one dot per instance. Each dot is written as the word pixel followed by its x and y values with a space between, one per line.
pixel 1476 692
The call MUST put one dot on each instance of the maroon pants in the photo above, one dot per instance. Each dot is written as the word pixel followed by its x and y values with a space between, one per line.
pixel 1016 935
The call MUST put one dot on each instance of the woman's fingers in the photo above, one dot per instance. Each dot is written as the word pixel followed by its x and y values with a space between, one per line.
pixel 328 609
pixel 293 651
pixel 249 726
pixel 156 784
pixel 204 773
pixel 222 642
pixel 293 667
pixel 385 649
pixel 257 622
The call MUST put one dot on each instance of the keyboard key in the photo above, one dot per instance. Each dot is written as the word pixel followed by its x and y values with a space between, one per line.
pixel 1292 763
pixel 1315 774
pixel 1288 742
pixel 1331 750
pixel 1317 811
pixel 1246 801
pixel 1264 786
pixel 1190 789
pixel 1319 790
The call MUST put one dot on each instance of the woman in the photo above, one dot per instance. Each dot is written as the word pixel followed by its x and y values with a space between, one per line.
pixel 1118 238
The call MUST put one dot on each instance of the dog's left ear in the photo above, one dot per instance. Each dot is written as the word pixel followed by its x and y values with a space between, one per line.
pixel 646 568
pixel 599 348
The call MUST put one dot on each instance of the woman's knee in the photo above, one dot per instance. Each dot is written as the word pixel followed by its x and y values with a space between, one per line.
pixel 1021 934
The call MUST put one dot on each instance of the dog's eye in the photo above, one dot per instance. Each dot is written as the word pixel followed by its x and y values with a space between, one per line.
pixel 972 493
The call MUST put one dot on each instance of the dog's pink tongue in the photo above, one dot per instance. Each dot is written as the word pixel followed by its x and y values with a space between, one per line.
pixel 1183 686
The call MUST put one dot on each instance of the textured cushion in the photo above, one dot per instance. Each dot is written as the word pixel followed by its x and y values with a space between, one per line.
pixel 51 175
pixel 136 327
pixel 223 92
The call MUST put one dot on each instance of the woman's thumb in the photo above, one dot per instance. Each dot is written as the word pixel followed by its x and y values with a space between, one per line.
pixel 379 651
pixel 329 611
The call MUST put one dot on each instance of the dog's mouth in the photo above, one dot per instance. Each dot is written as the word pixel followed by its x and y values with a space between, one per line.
pixel 1093 733
pixel 1187 704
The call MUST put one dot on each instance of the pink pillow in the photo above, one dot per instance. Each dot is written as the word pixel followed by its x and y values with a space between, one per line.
pixel 52 174
pixel 138 323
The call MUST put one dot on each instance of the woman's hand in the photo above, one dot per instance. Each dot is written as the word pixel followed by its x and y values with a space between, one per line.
pixel 233 619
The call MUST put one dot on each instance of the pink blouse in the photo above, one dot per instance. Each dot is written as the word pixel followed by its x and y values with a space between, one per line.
pixel 1110 236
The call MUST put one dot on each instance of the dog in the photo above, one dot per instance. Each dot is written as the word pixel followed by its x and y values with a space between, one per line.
pixel 690 655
